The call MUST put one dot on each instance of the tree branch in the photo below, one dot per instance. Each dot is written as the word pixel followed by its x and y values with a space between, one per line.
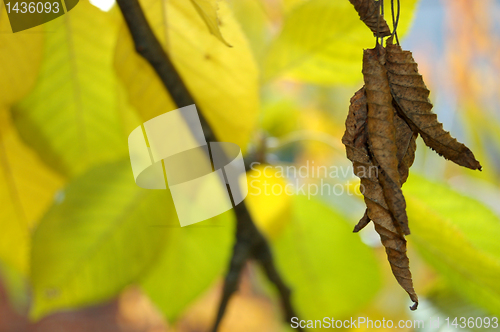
pixel 250 243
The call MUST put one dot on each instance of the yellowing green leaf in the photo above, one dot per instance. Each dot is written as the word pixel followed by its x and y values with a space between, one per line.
pixel 192 259
pixel 331 272
pixel 458 236
pixel 27 187
pixel 208 12
pixel 72 117
pixel 223 81
pixel 100 236
pixel 20 58
pixel 321 43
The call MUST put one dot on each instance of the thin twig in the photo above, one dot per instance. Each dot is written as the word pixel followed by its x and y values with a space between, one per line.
pixel 250 243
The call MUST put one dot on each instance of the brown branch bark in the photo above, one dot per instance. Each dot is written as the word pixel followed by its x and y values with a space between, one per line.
pixel 250 243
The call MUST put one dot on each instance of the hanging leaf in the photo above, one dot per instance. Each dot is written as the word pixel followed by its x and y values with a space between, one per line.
pixel 406 141
pixel 356 141
pixel 208 12
pixel 369 13
pixel 411 94
pixel 382 132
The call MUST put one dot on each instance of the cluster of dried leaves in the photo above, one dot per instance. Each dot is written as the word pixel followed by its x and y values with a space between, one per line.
pixel 385 117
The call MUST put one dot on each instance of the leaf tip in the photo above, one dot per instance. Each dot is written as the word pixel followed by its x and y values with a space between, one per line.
pixel 414 306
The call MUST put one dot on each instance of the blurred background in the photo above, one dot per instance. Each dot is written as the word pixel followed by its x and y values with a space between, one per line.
pixel 82 248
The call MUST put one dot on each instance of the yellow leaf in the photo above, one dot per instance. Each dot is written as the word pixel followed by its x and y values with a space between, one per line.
pixel 27 187
pixel 268 200
pixel 20 58
pixel 223 81
pixel 208 12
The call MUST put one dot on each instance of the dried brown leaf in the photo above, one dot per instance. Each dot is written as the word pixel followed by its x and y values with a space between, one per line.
pixel 406 145
pixel 382 132
pixel 356 141
pixel 369 13
pixel 411 94
pixel 365 220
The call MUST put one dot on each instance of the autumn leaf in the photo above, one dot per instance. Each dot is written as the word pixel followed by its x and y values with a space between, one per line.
pixel 412 95
pixel 356 141
pixel 369 13
pixel 406 146
pixel 382 132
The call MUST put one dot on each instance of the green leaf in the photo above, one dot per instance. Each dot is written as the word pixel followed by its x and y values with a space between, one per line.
pixel 458 236
pixel 322 42
pixel 192 259
pixel 72 117
pixel 331 272
pixel 99 237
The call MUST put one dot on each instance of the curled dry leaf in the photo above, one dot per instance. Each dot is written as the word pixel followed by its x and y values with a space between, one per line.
pixel 384 120
pixel 407 146
pixel 411 94
pixel 382 132
pixel 356 141
pixel 369 13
